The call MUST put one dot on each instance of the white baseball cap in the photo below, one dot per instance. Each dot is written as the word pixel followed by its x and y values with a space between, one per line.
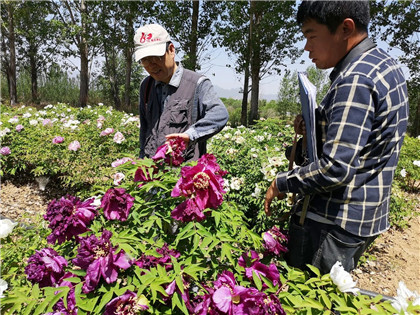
pixel 150 40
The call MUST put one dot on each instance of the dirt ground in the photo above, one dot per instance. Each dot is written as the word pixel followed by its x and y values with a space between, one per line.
pixel 395 254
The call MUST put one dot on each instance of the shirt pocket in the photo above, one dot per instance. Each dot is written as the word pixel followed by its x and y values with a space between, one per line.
pixel 179 114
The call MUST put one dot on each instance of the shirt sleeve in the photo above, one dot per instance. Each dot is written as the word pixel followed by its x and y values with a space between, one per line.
pixel 348 118
pixel 212 114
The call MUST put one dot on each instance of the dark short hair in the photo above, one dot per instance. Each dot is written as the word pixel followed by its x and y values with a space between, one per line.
pixel 333 13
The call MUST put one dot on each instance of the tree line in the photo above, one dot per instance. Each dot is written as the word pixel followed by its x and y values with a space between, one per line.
pixel 259 36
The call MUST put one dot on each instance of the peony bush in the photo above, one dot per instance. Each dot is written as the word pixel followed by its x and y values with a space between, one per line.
pixel 169 237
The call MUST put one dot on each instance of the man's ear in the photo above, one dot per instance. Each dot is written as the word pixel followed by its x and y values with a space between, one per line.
pixel 348 28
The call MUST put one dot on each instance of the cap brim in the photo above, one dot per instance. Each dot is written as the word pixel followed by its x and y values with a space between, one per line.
pixel 150 50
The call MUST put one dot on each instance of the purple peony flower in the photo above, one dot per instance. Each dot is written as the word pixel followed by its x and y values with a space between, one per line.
pixel 98 258
pixel 74 146
pixel 45 267
pixel 19 128
pixel 273 239
pixel 57 140
pixel 69 217
pixel 252 265
pixel 127 304
pixel 117 204
pixel 172 288
pixel 60 307
pixel 5 151
pixel 202 185
pixel 171 152
pixel 107 132
pixel 121 161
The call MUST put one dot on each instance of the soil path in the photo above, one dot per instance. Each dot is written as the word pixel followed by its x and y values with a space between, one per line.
pixel 397 252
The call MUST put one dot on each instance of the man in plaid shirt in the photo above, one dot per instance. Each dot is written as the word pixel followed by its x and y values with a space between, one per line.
pixel 361 125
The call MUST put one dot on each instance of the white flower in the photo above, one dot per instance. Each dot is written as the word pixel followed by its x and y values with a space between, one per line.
pixel 236 183
pixel 4 132
pixel 257 192
pixel 118 177
pixel 3 287
pixel 42 112
pixel 100 104
pixel 403 172
pixel 259 138
pixel 231 151
pixel 33 122
pixel 97 201
pixel 14 120
pixel 404 296
pixel 118 137
pixel 342 279
pixel 6 227
pixel 239 139
pixel 416 163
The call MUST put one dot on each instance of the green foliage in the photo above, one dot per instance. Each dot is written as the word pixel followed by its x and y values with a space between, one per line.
pixel 252 157
pixel 408 170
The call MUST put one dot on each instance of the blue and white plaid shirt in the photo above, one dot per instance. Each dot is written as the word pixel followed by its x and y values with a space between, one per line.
pixel 362 122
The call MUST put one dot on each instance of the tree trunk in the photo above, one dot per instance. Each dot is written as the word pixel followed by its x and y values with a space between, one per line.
pixel 11 70
pixel 34 75
pixel 194 34
pixel 255 62
pixel 128 64
pixel 84 60
pixel 244 109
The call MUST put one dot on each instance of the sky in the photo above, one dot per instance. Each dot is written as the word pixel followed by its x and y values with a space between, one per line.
pixel 227 83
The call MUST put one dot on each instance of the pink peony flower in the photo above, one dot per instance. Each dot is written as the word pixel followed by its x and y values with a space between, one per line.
pixel 273 240
pixel 5 151
pixel 202 185
pixel 107 132
pixel 47 122
pixel 19 128
pixel 57 140
pixel 171 152
pixel 69 217
pixel 117 204
pixel 150 261
pixel 121 161
pixel 99 258
pixel 74 146
pixel 45 267
pixel 118 137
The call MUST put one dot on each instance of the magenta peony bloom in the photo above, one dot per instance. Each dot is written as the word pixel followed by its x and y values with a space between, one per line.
pixel 69 217
pixel 172 288
pixel 98 258
pixel 74 146
pixel 149 261
pixel 107 132
pixel 145 175
pixel 121 161
pixel 127 304
pixel 117 204
pixel 171 152
pixel 252 265
pixel 45 267
pixel 202 185
pixel 5 151
pixel 229 297
pixel 57 140
pixel 273 239
pixel 19 128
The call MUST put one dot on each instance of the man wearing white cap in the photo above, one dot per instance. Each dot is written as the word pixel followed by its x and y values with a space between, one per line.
pixel 174 102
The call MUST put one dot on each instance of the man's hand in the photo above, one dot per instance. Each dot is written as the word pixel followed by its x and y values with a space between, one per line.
pixel 184 137
pixel 299 125
pixel 272 193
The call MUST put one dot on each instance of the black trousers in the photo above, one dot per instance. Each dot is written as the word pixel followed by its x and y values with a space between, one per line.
pixel 322 245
